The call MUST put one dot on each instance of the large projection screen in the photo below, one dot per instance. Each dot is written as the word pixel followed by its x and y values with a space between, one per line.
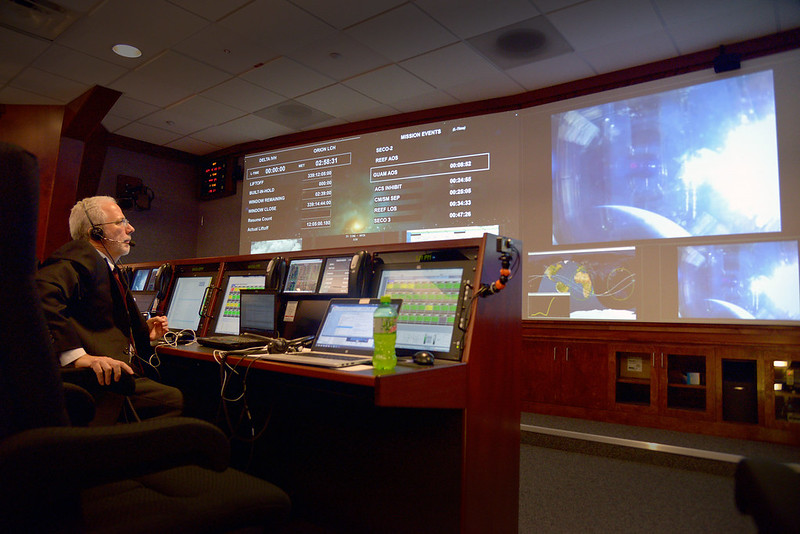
pixel 668 201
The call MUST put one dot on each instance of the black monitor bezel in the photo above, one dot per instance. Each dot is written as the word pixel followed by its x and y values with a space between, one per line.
pixel 191 271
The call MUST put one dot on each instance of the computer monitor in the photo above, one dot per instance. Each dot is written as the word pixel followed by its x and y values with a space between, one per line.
pixel 259 312
pixel 140 277
pixel 151 282
pixel 303 275
pixel 186 301
pixel 336 276
pixel 229 307
pixel 432 295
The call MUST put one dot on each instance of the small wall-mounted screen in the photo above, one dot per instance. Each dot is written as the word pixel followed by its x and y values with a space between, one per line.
pixel 336 276
pixel 303 275
pixel 140 279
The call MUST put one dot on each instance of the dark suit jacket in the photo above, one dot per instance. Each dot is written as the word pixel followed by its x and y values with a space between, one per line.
pixel 84 308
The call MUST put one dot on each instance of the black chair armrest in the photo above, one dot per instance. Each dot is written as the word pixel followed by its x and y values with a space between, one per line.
pixel 52 461
pixel 80 404
pixel 770 492
pixel 86 378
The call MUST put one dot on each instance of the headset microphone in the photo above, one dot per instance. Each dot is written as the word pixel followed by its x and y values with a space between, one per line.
pixel 131 243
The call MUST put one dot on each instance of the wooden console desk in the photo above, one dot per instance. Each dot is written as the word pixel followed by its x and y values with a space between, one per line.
pixel 418 450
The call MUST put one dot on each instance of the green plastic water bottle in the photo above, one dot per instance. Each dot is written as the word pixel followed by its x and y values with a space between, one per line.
pixel 384 333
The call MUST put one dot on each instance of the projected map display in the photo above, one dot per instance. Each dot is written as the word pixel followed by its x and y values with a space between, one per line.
pixel 585 284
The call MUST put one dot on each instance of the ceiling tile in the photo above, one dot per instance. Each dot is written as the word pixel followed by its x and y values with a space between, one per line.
pixel 338 101
pixel 287 77
pixel 294 115
pixel 131 109
pixel 150 25
pixel 169 78
pixel 193 146
pixel 15 96
pixel 49 85
pixel 524 42
pixel 598 22
pixel 192 115
pixel 78 66
pixel 467 18
pixel 242 95
pixel 157 136
pixel 637 51
pixel 241 130
pixel 402 33
pixel 552 71
pixel 224 49
pixel 210 9
pixel 484 88
pixel 276 25
pixel 451 65
pixel 339 57
pixel 112 123
pixel 344 13
pixel 389 84
pixel 18 51
pixel 723 27
pixel 431 100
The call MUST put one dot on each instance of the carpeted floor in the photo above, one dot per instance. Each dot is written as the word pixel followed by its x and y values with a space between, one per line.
pixel 570 485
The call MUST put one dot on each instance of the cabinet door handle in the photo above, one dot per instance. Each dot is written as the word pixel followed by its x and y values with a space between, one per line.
pixel 654 358
pixel 662 360
pixel 554 354
pixel 566 354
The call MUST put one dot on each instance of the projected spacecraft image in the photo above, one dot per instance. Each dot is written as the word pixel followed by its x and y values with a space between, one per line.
pixel 695 161
pixel 739 281
pixel 596 284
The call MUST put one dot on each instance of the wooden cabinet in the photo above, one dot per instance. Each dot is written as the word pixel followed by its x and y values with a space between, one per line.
pixel 739 381
pixel 783 390
pixel 570 374
pixel 670 381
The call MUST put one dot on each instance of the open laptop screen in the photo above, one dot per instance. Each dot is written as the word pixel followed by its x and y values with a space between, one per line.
pixel 347 326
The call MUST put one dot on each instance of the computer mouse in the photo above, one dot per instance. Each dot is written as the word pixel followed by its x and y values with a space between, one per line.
pixel 423 357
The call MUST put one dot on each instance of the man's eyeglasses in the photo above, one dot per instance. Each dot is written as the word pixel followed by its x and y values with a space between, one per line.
pixel 121 222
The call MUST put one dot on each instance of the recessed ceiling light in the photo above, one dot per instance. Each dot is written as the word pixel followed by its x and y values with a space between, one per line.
pixel 125 50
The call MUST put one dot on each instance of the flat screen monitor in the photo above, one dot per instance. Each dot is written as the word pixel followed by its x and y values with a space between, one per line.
pixel 229 309
pixel 303 275
pixel 258 311
pixel 151 282
pixel 431 310
pixel 186 301
pixel 140 277
pixel 336 276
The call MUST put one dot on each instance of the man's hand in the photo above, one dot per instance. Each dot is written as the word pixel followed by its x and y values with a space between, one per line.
pixel 106 369
pixel 157 326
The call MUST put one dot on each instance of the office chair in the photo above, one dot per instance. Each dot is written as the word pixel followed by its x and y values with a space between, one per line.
pixel 769 491
pixel 165 475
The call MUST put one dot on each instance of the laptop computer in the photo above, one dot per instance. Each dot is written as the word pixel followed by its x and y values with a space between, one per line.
pixel 344 337
pixel 257 322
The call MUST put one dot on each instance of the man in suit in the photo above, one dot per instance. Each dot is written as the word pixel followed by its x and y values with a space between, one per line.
pixel 91 314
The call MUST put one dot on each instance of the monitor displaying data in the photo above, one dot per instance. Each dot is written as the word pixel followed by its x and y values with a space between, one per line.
pixel 229 307
pixel 302 276
pixel 422 183
pixel 431 306
pixel 186 301
pixel 335 276
pixel 139 282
